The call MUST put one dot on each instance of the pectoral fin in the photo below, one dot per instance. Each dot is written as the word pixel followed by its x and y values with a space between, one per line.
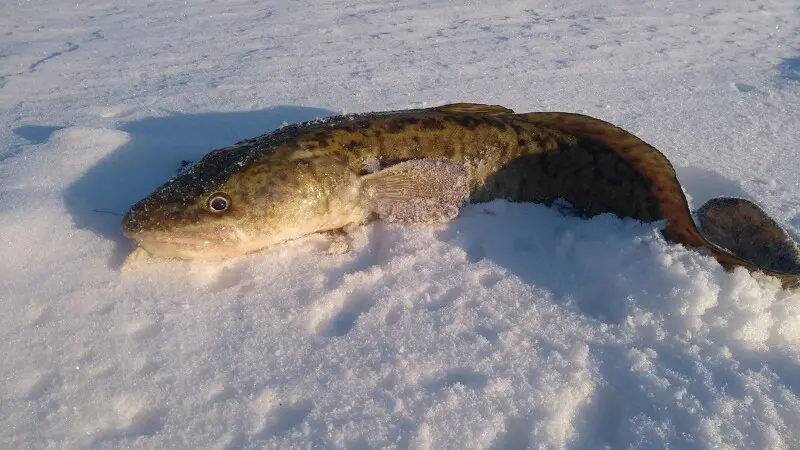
pixel 744 229
pixel 420 191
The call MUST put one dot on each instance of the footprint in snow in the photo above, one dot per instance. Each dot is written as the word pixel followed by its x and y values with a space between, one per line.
pixel 37 385
pixel 272 416
pixel 346 318
pixel 143 330
pixel 488 279
pixel 460 376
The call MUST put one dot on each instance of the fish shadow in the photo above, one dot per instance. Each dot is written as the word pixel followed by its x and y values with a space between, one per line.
pixel 596 265
pixel 703 184
pixel 593 265
pixel 154 153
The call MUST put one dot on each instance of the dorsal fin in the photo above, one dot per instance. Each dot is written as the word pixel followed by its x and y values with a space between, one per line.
pixel 656 169
pixel 473 108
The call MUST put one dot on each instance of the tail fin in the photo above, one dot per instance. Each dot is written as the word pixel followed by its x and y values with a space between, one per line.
pixel 744 229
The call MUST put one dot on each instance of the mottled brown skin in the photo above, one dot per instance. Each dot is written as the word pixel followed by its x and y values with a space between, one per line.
pixel 537 157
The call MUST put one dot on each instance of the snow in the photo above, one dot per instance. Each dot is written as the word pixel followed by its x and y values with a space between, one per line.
pixel 513 326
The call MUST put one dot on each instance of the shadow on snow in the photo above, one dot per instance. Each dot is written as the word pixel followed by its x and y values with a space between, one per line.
pixel 789 69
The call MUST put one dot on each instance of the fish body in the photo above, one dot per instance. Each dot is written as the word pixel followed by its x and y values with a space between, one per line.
pixel 327 174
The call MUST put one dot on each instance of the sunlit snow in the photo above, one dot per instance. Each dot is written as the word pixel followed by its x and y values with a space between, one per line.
pixel 513 326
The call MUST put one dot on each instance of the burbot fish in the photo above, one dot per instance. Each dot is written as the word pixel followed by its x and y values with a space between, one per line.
pixel 420 167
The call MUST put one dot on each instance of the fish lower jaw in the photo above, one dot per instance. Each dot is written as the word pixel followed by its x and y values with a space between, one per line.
pixel 205 250
pixel 176 247
pixel 240 242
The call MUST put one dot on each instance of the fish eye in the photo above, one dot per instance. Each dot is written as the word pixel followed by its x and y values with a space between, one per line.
pixel 218 202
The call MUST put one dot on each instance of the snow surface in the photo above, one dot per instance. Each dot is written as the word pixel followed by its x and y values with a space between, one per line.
pixel 512 327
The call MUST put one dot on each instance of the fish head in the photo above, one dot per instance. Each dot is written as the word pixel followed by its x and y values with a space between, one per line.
pixel 219 209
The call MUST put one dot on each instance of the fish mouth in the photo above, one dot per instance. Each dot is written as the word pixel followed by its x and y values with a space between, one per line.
pixel 187 248
pixel 176 245
pixel 180 246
